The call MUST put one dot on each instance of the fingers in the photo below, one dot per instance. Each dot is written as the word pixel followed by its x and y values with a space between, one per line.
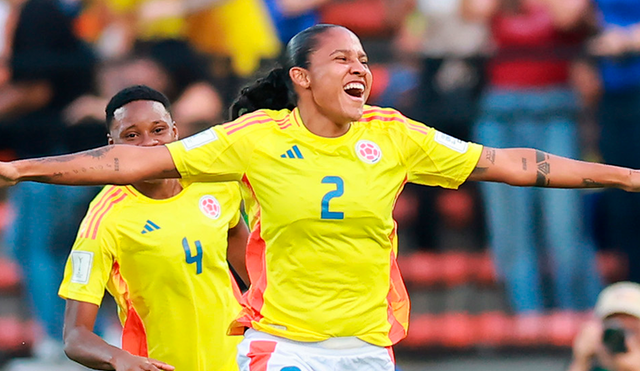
pixel 161 365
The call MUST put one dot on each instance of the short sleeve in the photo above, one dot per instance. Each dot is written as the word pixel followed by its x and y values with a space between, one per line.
pixel 88 266
pixel 221 153
pixel 435 158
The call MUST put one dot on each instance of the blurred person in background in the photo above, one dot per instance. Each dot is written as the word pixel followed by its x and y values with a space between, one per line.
pixel 49 67
pixel 530 102
pixel 617 48
pixel 611 341
pixel 292 16
pixel 446 53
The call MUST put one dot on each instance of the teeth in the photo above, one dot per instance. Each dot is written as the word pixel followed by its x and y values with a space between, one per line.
pixel 354 85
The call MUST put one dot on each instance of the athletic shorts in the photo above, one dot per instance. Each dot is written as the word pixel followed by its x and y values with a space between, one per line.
pixel 263 352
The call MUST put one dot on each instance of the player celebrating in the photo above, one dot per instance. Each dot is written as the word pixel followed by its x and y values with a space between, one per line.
pixel 325 291
pixel 159 247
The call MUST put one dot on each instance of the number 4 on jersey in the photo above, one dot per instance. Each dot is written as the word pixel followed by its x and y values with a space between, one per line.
pixel 193 258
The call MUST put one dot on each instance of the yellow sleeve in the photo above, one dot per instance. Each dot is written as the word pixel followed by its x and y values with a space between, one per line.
pixel 218 154
pixel 434 158
pixel 89 265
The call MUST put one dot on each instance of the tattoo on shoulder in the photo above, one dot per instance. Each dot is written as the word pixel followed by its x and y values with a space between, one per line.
pixel 590 183
pixel 491 156
pixel 544 169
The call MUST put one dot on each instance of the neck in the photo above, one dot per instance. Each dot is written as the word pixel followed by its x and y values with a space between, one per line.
pixel 321 125
pixel 159 189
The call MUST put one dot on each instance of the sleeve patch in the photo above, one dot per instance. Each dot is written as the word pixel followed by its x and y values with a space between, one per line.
pixel 200 139
pixel 451 142
pixel 81 263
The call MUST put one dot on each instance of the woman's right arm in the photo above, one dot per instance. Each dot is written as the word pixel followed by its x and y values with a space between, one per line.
pixel 82 345
pixel 114 164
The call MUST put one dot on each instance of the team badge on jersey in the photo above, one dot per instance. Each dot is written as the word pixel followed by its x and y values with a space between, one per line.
pixel 368 151
pixel 210 206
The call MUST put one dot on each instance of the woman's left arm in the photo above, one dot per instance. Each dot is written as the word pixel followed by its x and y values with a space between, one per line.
pixel 531 167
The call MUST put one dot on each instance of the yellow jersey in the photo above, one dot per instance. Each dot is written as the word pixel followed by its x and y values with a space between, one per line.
pixel 322 252
pixel 164 262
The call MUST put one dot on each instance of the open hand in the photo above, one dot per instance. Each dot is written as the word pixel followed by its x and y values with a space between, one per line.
pixel 129 362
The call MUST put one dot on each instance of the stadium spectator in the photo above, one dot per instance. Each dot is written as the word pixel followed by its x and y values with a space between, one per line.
pixel 325 290
pixel 611 340
pixel 530 102
pixel 178 234
pixel 618 48
pixel 49 68
pixel 290 16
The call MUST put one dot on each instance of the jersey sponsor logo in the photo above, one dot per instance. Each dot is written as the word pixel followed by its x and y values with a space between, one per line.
pixel 368 151
pixel 294 152
pixel 451 142
pixel 150 226
pixel 81 262
pixel 210 206
pixel 200 139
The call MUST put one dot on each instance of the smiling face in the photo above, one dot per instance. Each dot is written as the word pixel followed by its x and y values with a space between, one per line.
pixel 142 123
pixel 338 79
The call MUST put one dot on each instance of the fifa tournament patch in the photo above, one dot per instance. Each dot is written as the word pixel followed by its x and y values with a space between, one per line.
pixel 81 263
pixel 199 139
pixel 368 152
pixel 451 142
pixel 210 206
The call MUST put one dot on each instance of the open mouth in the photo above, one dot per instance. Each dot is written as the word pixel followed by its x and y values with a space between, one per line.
pixel 355 89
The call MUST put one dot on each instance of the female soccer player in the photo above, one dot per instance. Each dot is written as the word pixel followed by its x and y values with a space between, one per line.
pixel 326 293
pixel 160 248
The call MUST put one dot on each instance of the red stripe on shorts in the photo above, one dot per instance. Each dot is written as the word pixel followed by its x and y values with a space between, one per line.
pixel 260 352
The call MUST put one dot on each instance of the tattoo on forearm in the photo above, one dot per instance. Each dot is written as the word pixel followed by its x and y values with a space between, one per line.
pixel 524 163
pixel 491 156
pixel 590 183
pixel 543 169
pixel 116 164
pixel 98 152
pixel 479 170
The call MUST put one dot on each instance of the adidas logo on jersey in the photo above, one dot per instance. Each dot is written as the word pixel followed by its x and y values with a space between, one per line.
pixel 294 152
pixel 150 227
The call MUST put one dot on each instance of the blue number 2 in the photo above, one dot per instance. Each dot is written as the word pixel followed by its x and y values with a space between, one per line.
pixel 339 191
pixel 193 259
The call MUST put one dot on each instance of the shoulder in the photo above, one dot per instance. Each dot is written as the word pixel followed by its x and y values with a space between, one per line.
pixel 390 119
pixel 257 121
pixel 103 209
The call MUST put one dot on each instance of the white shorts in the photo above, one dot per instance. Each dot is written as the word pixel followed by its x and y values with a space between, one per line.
pixel 263 352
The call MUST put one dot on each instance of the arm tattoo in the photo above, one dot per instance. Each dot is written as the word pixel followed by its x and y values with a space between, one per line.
pixel 479 170
pixel 543 169
pixel 590 183
pixel 524 164
pixel 491 156
pixel 116 164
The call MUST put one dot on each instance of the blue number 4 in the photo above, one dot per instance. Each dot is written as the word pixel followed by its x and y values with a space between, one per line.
pixel 339 191
pixel 193 259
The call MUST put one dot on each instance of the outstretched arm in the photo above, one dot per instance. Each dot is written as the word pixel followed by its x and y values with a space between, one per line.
pixel 531 167
pixel 114 164
pixel 82 345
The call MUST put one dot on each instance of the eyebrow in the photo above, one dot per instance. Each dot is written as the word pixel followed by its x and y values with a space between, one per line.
pixel 346 51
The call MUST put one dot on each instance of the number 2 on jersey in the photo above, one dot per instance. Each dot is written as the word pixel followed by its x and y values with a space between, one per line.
pixel 339 191
pixel 191 258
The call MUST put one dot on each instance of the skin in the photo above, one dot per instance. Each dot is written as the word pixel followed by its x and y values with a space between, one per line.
pixel 144 124
pixel 326 111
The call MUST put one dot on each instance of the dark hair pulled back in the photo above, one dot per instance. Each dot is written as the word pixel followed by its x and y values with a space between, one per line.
pixel 275 91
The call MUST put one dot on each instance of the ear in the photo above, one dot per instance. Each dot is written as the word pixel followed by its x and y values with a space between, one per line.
pixel 176 135
pixel 110 139
pixel 300 77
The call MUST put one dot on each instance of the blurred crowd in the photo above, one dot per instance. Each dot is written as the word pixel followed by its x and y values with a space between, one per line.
pixel 559 75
